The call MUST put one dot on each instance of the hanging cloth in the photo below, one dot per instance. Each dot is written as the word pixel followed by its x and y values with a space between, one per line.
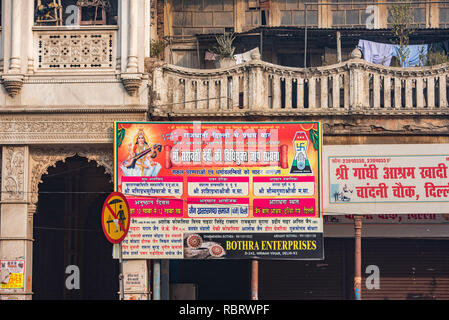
pixel 376 52
pixel 416 55
pixel 246 56
pixel 210 56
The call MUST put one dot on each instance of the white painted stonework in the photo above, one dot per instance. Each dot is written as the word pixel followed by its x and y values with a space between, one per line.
pixel 61 90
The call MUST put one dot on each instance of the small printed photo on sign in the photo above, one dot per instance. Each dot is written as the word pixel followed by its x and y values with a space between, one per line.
pixel 195 247
pixel 341 192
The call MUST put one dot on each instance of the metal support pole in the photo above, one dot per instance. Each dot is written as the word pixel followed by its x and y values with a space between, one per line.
pixel 150 280
pixel 156 280
pixel 122 287
pixel 338 47
pixel 165 279
pixel 358 257
pixel 255 279
pixel 198 53
pixel 305 36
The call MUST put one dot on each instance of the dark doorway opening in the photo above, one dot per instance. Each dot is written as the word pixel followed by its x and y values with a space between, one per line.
pixel 214 279
pixel 68 232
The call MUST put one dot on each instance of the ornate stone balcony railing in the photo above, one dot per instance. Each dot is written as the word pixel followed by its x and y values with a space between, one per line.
pixel 260 88
pixel 65 49
pixel 1 50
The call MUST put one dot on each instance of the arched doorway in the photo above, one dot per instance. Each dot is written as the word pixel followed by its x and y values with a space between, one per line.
pixel 68 232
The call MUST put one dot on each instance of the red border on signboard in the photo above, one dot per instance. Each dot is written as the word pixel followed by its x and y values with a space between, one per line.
pixel 113 194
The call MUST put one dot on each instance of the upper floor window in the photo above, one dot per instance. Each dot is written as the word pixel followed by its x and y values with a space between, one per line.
pixel 75 12
pixel 190 17
pixel 444 15
pixel 257 12
pixel 416 12
pixel 351 12
pixel 299 12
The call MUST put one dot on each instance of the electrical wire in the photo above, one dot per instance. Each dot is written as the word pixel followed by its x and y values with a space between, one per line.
pixel 68 229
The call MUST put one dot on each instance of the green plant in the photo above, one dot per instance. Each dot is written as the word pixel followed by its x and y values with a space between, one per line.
pixel 423 57
pixel 323 61
pixel 435 58
pixel 400 15
pixel 224 47
pixel 156 48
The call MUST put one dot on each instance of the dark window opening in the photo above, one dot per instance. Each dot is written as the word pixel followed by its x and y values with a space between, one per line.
pixel 263 17
pixel 75 12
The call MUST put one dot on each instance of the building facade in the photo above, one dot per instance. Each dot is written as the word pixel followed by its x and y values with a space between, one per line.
pixel 65 80
pixel 64 83
pixel 308 67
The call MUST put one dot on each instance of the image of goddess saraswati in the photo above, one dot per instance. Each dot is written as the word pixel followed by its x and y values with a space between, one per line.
pixel 141 157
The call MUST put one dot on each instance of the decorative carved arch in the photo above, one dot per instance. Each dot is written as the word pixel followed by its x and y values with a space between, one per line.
pixel 45 157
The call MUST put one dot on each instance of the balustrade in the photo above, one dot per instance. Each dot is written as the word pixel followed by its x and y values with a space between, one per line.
pixel 258 87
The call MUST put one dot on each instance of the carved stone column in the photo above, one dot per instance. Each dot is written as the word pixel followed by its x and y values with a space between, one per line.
pixel 16 35
pixel 132 63
pixel 13 78
pixel 29 35
pixel 257 91
pixel 15 229
pixel 131 79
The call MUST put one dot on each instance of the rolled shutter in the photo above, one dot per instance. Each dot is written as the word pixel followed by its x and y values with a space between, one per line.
pixel 409 268
pixel 300 280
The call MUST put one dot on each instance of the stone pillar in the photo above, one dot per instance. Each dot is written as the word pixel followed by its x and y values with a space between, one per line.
pixel 3 54
pixel 133 18
pixel 358 257
pixel 16 228
pixel 12 40
pixel 275 13
pixel 381 21
pixel 257 90
pixel 28 34
pixel 130 20
pixel 239 15
pixel 16 35
pixel 121 24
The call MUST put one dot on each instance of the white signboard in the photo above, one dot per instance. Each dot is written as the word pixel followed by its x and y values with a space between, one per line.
pixel 380 179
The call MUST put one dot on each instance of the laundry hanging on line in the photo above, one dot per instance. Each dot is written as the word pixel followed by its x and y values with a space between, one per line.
pixel 210 56
pixel 382 53
pixel 246 56
pixel 416 55
pixel 375 52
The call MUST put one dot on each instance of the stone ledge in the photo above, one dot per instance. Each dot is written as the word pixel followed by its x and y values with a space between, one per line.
pixel 13 83
pixel 302 112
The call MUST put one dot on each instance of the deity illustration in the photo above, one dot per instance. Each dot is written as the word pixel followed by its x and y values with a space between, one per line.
pixel 141 155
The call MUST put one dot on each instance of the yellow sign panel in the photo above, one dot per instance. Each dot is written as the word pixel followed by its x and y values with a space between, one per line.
pixel 11 274
pixel 115 217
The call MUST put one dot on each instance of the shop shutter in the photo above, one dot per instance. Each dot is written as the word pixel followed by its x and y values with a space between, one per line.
pixel 300 280
pixel 409 269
